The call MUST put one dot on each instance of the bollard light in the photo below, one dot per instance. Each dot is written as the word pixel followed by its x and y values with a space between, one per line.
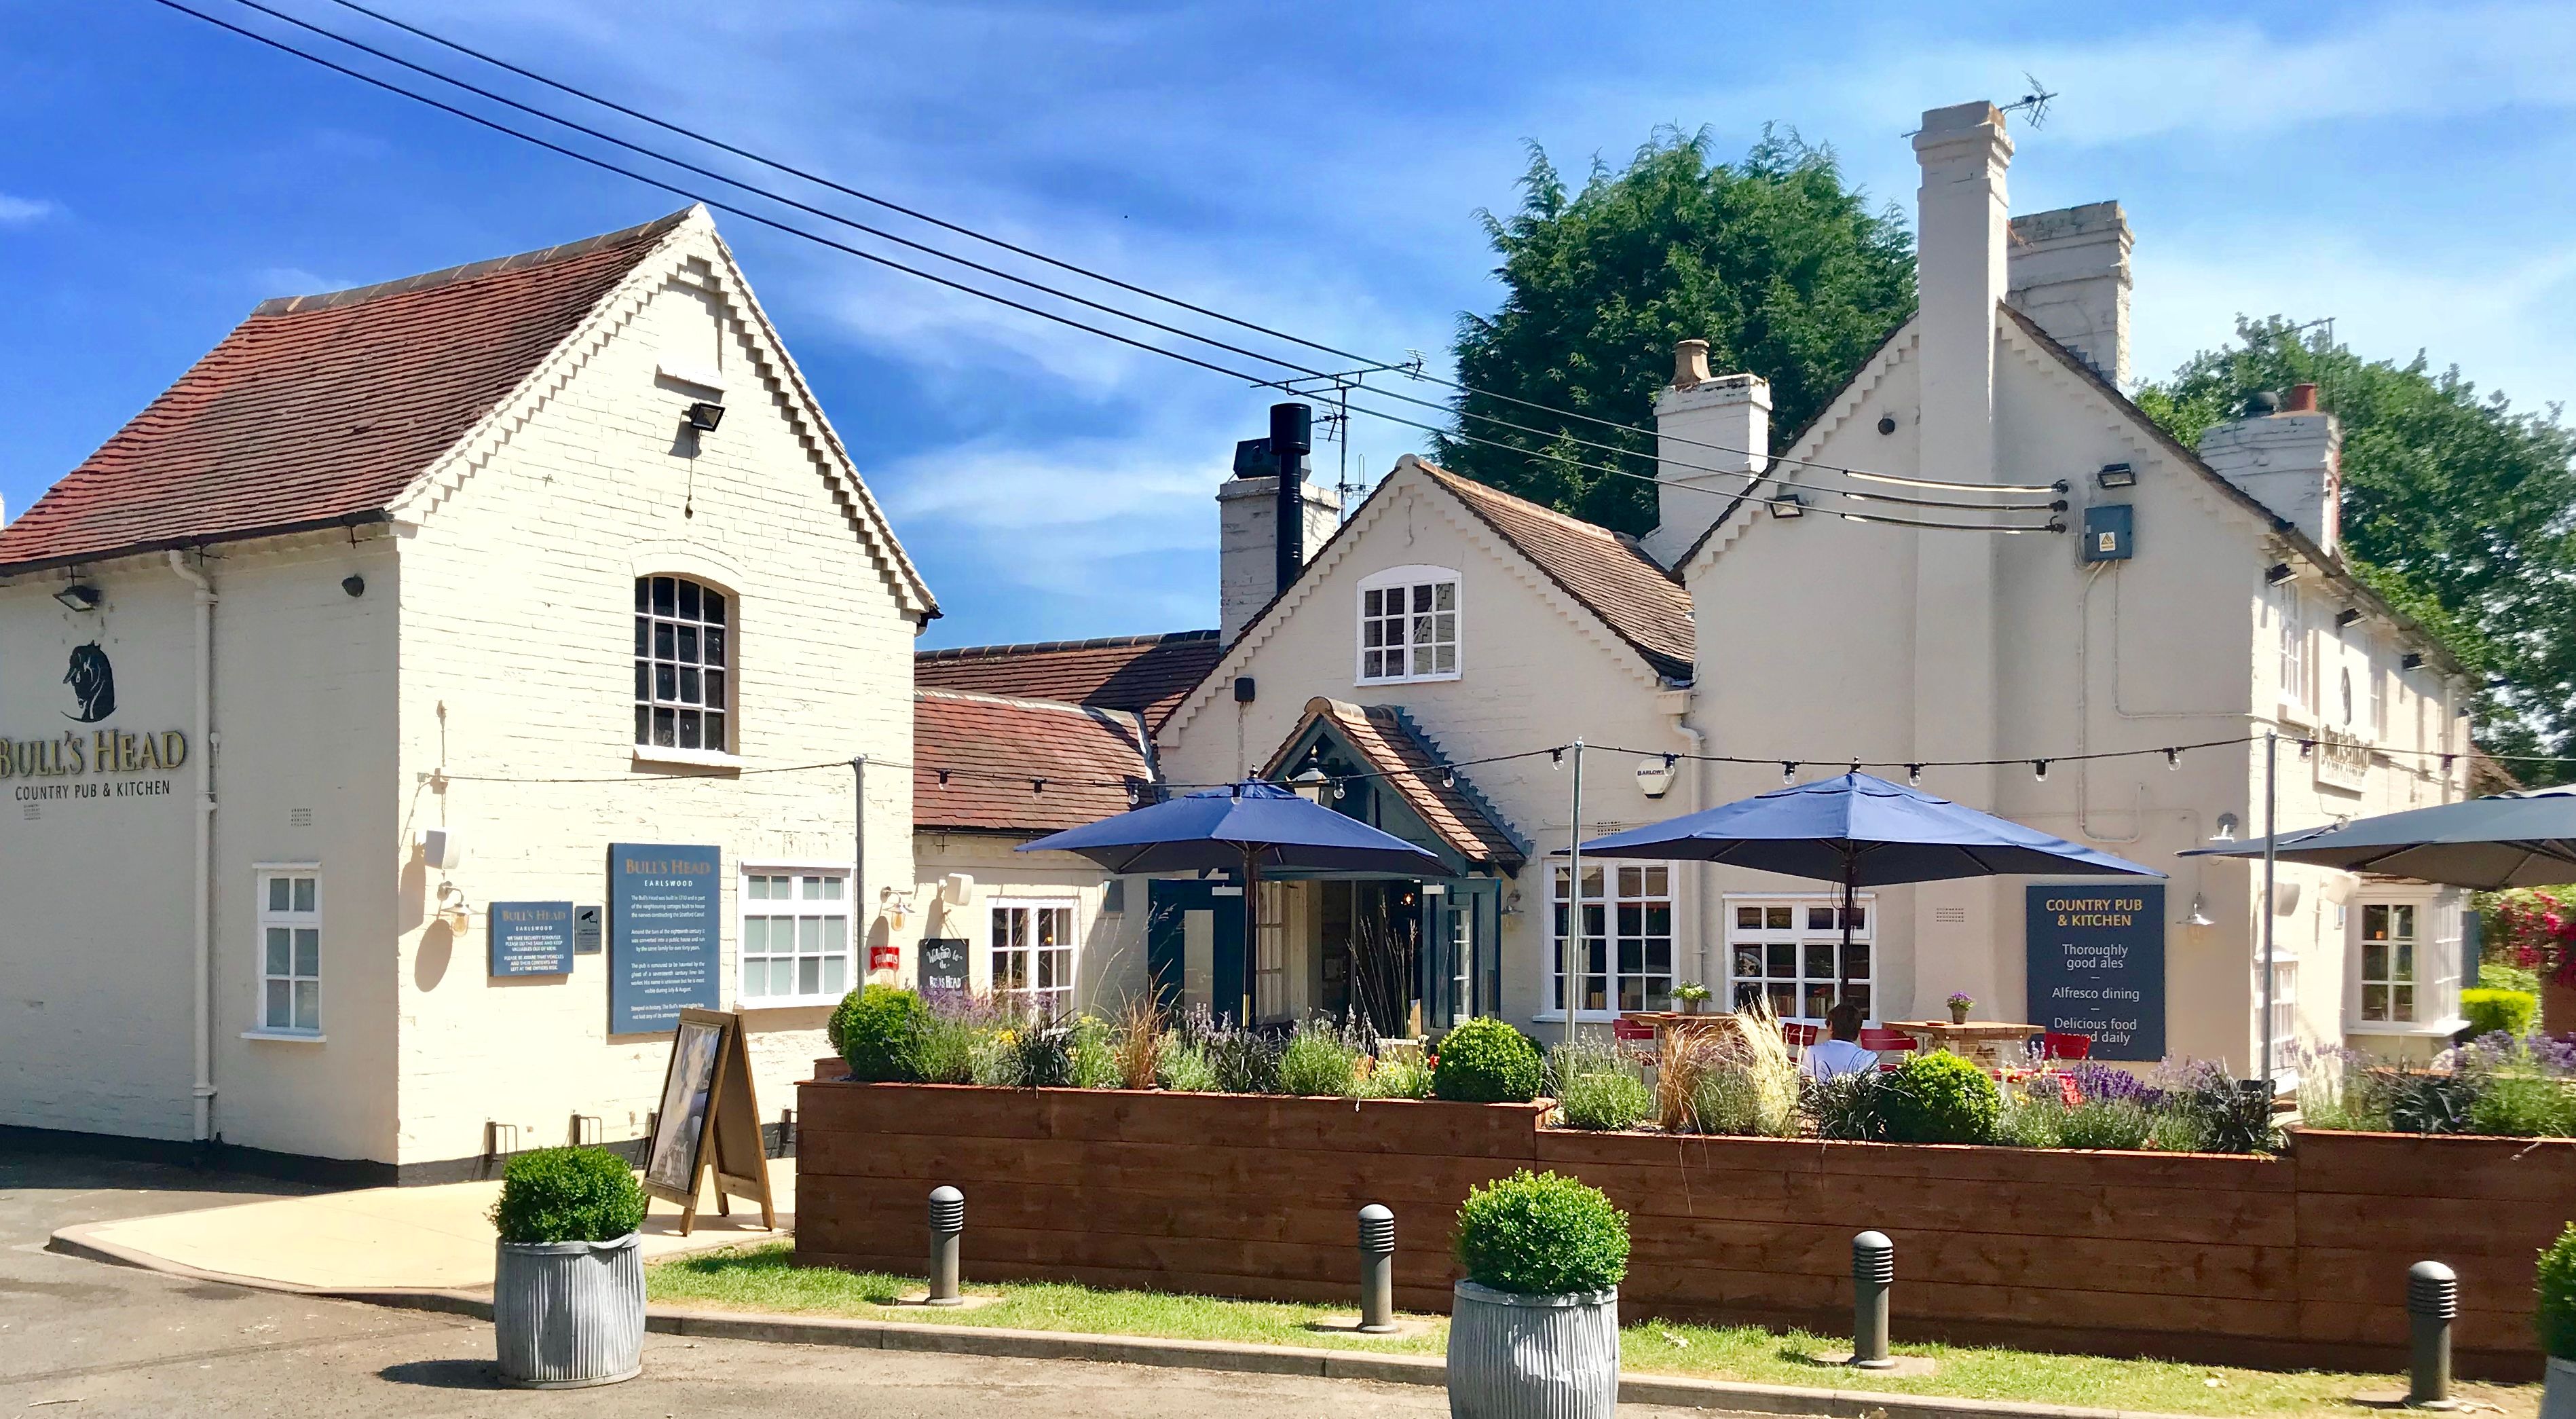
pixel 947 1224
pixel 1377 1270
pixel 2432 1303
pixel 1873 1272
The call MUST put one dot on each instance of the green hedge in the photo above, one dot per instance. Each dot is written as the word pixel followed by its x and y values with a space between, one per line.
pixel 2556 1313
pixel 1485 1061
pixel 1938 1097
pixel 1538 1234
pixel 567 1195
pixel 879 1033
pixel 2512 1011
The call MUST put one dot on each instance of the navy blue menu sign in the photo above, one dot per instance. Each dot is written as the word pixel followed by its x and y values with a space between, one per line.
pixel 2097 965
pixel 530 938
pixel 664 950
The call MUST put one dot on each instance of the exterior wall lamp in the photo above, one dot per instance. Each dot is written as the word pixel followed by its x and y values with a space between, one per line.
pixel 2279 572
pixel 2117 475
pixel 80 596
pixel 704 416
pixel 1309 785
pixel 1789 505
pixel 2226 829
pixel 2411 660
pixel 2346 617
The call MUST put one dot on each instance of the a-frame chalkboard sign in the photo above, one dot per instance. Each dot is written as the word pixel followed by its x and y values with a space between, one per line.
pixel 708 1119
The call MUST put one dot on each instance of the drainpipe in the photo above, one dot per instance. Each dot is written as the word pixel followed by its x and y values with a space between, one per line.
pixel 202 1095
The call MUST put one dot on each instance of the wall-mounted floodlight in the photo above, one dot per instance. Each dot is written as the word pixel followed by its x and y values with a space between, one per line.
pixel 2226 829
pixel 704 416
pixel 2411 660
pixel 80 596
pixel 2117 475
pixel 2346 617
pixel 2278 573
pixel 2199 913
pixel 1789 505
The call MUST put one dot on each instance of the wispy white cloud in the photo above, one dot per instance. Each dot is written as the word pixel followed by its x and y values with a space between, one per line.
pixel 20 211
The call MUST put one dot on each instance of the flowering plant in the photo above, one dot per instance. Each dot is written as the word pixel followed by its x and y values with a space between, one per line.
pixel 2536 928
pixel 1962 999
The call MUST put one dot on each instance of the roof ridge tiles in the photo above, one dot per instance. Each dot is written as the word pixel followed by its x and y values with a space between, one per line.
pixel 975 652
pixel 490 266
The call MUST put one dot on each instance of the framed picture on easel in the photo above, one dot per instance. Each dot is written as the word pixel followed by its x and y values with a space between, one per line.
pixel 708 1120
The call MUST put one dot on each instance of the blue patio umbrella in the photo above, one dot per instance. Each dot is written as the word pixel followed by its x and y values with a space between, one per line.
pixel 1249 825
pixel 2525 839
pixel 1860 831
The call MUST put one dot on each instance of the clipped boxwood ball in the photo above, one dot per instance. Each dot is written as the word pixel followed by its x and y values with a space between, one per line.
pixel 1938 1097
pixel 2556 1313
pixel 878 1031
pixel 568 1195
pixel 1485 1061
pixel 1538 1234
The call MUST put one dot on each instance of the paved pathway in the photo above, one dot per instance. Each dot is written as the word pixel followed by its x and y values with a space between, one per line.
pixel 81 1339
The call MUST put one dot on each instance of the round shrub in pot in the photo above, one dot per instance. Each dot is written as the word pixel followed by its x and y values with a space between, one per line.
pixel 1534 1329
pixel 568 1280
pixel 1485 1061
pixel 2556 1316
pixel 878 1031
pixel 1938 1097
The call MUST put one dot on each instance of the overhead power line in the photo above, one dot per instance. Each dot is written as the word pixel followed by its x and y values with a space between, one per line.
pixel 1088 273
pixel 1256 380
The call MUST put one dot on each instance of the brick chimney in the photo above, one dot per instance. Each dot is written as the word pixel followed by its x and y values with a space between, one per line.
pixel 1709 434
pixel 1248 534
pixel 2288 454
pixel 2069 271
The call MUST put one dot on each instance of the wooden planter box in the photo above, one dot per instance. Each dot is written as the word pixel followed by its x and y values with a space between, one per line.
pixel 2298 1260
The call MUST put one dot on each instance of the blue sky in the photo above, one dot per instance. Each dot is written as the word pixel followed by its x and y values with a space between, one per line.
pixel 2403 169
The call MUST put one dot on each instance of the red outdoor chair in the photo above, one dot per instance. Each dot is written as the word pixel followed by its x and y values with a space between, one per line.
pixel 1886 1042
pixel 1636 1037
pixel 2053 1045
pixel 1801 1036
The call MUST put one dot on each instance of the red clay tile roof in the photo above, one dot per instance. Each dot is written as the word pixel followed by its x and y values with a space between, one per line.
pixel 1386 740
pixel 1596 566
pixel 1020 765
pixel 1148 674
pixel 319 411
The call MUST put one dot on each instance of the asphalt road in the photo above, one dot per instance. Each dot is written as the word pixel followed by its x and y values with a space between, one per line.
pixel 81 1339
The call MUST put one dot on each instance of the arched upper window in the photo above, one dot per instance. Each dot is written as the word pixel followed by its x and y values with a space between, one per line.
pixel 1409 625
pixel 683 664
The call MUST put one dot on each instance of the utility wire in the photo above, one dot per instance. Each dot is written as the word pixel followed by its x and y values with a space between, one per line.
pixel 1749 478
pixel 1087 273
pixel 893 264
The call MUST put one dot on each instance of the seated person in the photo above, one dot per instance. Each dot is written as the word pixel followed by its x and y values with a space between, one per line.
pixel 1841 1053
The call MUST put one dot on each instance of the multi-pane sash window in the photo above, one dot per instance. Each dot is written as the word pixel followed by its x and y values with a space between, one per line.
pixel 1781 950
pixel 1409 626
pixel 2289 610
pixel 795 936
pixel 1627 938
pixel 290 931
pixel 2388 962
pixel 1270 952
pixel 681 663
pixel 1033 958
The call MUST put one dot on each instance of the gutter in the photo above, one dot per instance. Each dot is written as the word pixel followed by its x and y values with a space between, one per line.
pixel 202 1093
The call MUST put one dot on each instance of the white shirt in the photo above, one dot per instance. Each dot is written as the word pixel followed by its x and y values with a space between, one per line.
pixel 1827 1059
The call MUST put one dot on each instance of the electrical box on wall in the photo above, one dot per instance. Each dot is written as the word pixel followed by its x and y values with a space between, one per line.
pixel 2108 532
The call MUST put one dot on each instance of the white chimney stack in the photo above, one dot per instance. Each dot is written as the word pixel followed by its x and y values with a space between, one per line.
pixel 2069 271
pixel 1248 538
pixel 1711 435
pixel 1962 216
pixel 2289 458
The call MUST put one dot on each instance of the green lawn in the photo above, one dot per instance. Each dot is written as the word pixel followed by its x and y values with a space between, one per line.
pixel 763 1279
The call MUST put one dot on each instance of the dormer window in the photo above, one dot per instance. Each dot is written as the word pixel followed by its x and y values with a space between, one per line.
pixel 1409 625
pixel 683 661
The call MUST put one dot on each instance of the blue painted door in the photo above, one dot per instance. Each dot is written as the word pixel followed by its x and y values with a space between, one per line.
pixel 1169 904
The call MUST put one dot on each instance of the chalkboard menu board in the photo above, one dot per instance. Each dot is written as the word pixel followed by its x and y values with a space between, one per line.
pixel 943 964
pixel 2097 966
pixel 665 952
pixel 530 938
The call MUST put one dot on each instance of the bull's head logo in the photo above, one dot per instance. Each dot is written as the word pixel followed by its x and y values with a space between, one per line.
pixel 93 683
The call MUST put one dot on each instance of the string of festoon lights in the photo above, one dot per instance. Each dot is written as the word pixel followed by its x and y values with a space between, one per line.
pixel 1447 772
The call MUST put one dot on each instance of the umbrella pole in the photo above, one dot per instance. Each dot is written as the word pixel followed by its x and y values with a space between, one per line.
pixel 1251 928
pixel 1851 898
pixel 2271 839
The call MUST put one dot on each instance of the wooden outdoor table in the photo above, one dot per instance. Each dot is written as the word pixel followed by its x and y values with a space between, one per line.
pixel 1672 1025
pixel 1993 1044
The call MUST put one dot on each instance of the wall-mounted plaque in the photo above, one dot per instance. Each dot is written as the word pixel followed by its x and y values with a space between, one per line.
pixel 530 938
pixel 663 917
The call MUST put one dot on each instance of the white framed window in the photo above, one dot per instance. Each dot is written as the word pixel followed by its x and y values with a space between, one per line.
pixel 683 665
pixel 1032 951
pixel 1270 952
pixel 2388 950
pixel 1409 625
pixel 2378 674
pixel 2285 1002
pixel 795 935
pixel 1781 949
pixel 290 952
pixel 2289 615
pixel 1627 937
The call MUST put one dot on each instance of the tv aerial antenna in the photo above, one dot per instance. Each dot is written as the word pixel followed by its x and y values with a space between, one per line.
pixel 1333 421
pixel 2034 104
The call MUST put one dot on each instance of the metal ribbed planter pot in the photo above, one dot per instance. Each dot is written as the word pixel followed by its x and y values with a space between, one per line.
pixel 1533 1357
pixel 2558 1397
pixel 569 1314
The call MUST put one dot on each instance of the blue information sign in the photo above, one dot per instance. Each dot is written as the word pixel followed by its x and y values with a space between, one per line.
pixel 530 938
pixel 664 954
pixel 2097 965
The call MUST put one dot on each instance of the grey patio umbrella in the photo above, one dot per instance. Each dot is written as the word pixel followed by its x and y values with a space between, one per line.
pixel 2525 839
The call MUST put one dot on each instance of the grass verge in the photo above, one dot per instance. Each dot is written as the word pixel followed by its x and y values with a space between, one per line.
pixel 764 1278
